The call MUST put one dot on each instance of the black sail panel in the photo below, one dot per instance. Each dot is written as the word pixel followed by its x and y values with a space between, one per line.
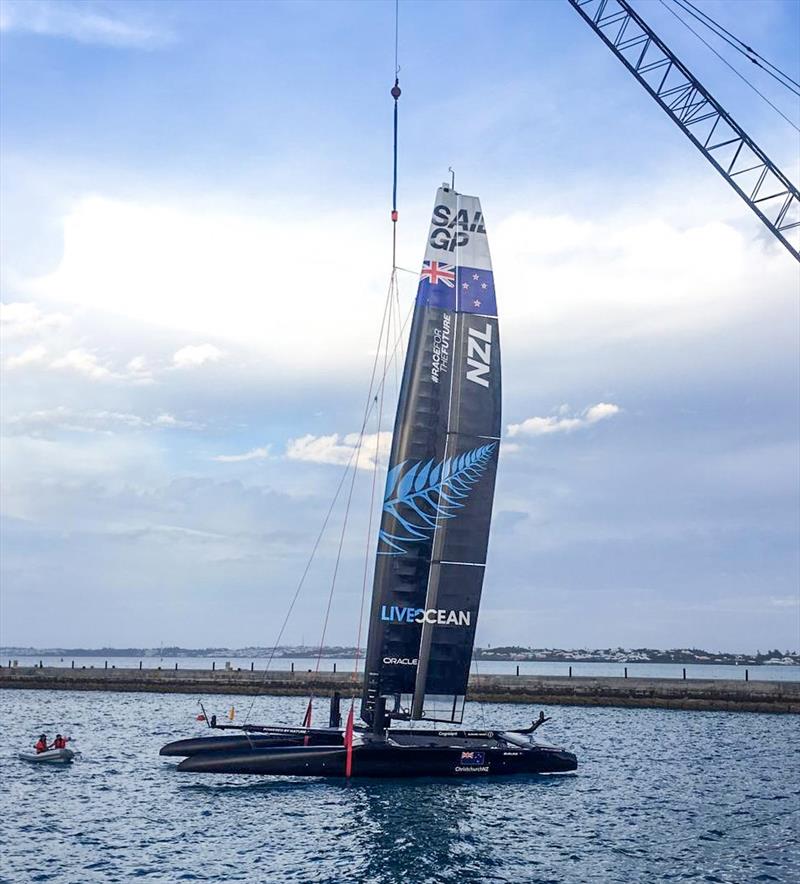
pixel 440 486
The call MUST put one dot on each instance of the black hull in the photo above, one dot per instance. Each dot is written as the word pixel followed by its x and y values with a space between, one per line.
pixel 384 758
pixel 266 736
pixel 246 742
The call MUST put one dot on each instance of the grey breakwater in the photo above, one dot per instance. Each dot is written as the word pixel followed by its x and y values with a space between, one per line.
pixel 665 693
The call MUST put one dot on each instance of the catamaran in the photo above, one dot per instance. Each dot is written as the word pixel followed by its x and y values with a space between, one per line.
pixel 431 553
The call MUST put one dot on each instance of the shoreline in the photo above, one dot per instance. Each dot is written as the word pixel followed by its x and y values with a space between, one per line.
pixel 704 695
pixel 286 655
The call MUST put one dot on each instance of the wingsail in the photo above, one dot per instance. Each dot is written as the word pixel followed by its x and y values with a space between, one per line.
pixel 437 508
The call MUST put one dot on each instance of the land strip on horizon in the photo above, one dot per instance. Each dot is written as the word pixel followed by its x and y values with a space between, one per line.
pixel 511 653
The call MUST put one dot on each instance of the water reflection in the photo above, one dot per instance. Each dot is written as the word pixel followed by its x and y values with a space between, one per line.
pixel 433 829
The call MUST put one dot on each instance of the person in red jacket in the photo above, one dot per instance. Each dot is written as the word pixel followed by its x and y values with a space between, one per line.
pixel 59 742
pixel 41 746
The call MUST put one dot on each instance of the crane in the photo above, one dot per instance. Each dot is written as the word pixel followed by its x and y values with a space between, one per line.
pixel 712 130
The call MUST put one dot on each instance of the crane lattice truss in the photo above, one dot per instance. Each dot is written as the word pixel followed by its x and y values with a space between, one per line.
pixel 751 173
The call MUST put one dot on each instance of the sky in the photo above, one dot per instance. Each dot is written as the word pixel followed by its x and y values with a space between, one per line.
pixel 196 245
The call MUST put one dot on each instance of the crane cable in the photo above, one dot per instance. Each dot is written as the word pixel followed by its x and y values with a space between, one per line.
pixel 739 45
pixel 726 62
pixel 379 397
pixel 395 93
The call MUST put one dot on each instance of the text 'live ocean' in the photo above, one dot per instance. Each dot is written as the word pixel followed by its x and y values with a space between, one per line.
pixel 397 614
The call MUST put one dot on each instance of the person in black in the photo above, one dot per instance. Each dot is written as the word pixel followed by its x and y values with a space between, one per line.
pixel 539 721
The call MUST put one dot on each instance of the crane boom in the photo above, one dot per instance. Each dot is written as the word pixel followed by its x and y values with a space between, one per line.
pixel 712 130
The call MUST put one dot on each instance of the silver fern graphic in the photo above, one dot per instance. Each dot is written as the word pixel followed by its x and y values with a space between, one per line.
pixel 420 494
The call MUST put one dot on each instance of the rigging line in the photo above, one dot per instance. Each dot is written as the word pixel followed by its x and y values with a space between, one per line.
pixel 341 544
pixel 395 93
pixel 726 62
pixel 396 35
pixel 790 85
pixel 320 535
pixel 300 586
pixel 747 51
pixel 679 4
pixel 375 467
pixel 481 703
pixel 396 390
pixel 366 555
pixel 780 77
pixel 389 307
pixel 398 341
pixel 275 647
pixel 324 525
pixel 367 411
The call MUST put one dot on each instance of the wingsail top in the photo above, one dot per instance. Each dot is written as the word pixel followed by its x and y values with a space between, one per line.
pixel 440 487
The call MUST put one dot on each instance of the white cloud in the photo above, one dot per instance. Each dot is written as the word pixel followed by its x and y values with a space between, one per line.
pixel 601 411
pixel 336 449
pixel 81 22
pixel 20 318
pixel 185 258
pixel 785 602
pixel 82 362
pixel 196 354
pixel 139 371
pixel 253 454
pixel 44 422
pixel 167 420
pixel 37 471
pixel 563 281
pixel 615 277
pixel 32 356
pixel 563 422
pixel 137 364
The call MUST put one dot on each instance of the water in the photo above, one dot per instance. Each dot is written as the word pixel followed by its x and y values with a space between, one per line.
pixel 659 796
pixel 485 667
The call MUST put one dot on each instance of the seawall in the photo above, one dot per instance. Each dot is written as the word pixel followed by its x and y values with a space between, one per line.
pixel 665 693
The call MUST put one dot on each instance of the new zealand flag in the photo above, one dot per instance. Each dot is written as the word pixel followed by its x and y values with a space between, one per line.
pixel 443 286
pixel 476 291
pixel 472 757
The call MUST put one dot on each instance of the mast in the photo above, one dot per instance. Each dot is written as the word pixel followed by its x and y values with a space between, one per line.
pixel 440 486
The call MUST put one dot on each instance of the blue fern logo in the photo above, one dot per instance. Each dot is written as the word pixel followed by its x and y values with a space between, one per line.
pixel 420 494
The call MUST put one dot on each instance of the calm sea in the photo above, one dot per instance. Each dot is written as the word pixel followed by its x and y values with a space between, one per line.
pixel 635 670
pixel 659 796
